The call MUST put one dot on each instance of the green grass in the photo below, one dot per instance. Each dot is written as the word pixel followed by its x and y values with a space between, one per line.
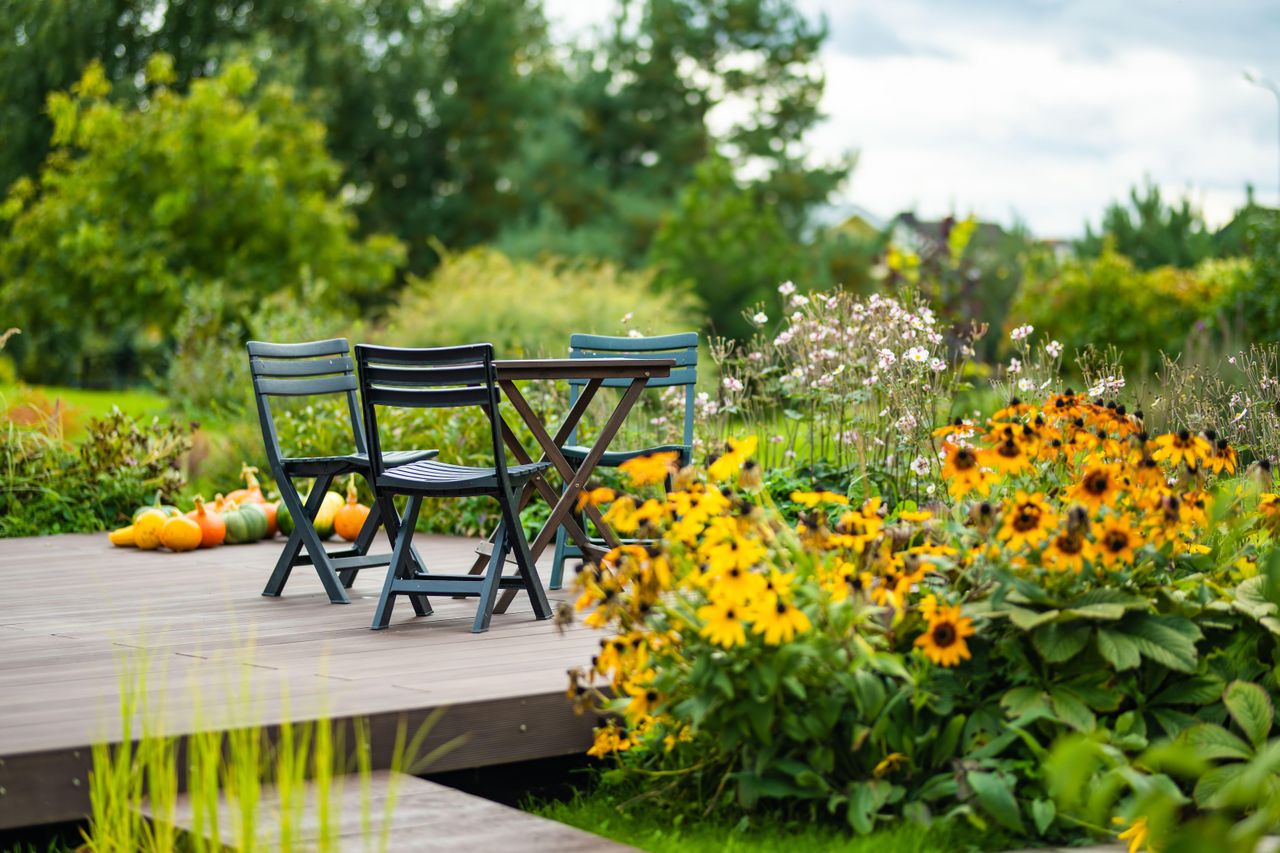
pixel 82 404
pixel 657 832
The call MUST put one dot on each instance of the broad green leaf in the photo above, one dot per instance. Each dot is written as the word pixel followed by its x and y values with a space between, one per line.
pixel 1029 619
pixel 1104 595
pixel 995 794
pixel 1118 649
pixel 1071 710
pixel 1251 597
pixel 1058 643
pixel 1198 690
pixel 1251 708
pixel 1105 612
pixel 1209 789
pixel 1019 700
pixel 1212 742
pixel 1167 640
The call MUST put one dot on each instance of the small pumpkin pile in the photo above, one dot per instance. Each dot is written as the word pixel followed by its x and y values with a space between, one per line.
pixel 242 516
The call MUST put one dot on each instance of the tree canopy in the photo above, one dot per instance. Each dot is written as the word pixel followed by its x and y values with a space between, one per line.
pixel 137 207
pixel 463 122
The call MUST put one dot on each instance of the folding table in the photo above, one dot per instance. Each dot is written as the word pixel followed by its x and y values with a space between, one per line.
pixel 595 370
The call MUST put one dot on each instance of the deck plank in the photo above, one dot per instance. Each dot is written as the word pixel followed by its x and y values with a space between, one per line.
pixel 404 813
pixel 218 653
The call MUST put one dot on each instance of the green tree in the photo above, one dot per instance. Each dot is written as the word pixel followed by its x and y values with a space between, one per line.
pixel 639 118
pixel 729 243
pixel 425 102
pixel 1151 233
pixel 228 186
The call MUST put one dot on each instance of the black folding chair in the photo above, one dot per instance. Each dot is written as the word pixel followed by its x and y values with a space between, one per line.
pixel 447 377
pixel 317 368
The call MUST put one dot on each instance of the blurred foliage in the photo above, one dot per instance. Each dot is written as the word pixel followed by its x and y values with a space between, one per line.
pixel 722 239
pixel 531 307
pixel 1150 232
pixel 1142 312
pixel 136 211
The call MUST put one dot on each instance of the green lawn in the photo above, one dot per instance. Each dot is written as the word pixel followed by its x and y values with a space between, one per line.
pixel 643 828
pixel 79 404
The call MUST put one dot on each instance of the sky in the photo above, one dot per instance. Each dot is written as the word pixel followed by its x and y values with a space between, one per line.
pixel 1040 111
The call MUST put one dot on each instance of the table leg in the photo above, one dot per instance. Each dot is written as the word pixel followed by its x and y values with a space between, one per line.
pixel 563 508
pixel 539 484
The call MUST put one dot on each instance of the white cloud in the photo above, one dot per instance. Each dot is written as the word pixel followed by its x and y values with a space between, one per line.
pixel 1041 109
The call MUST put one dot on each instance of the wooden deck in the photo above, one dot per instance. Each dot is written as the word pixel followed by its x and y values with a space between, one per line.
pixel 423 816
pixel 76 612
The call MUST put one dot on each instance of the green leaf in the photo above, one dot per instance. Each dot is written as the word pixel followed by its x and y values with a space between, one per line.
pixel 1167 640
pixel 995 793
pixel 1029 619
pixel 1042 814
pixel 1118 649
pixel 1198 690
pixel 1251 597
pixel 1020 700
pixel 1058 643
pixel 1212 742
pixel 1251 708
pixel 1105 595
pixel 1105 612
pixel 945 744
pixel 1071 710
pixel 1208 791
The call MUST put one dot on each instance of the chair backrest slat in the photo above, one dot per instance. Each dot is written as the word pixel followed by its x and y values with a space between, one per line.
pixel 307 369
pixel 308 349
pixel 442 377
pixel 425 377
pixel 681 348
pixel 428 398
pixel 306 387
pixel 622 346
pixel 301 367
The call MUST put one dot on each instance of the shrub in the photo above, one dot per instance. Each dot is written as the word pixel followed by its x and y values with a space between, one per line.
pixel 526 307
pixel 46 486
pixel 1108 299
pixel 873 662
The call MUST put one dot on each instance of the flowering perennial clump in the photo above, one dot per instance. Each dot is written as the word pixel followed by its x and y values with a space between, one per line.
pixel 922 659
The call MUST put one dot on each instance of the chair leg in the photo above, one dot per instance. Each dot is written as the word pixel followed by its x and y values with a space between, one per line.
pixel 304 536
pixel 414 565
pixel 557 561
pixel 528 570
pixel 399 555
pixel 492 576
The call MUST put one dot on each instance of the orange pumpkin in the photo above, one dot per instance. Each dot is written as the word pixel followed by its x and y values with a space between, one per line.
pixel 350 519
pixel 213 530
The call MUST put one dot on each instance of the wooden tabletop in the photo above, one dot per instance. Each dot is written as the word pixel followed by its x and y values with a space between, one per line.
pixel 583 368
